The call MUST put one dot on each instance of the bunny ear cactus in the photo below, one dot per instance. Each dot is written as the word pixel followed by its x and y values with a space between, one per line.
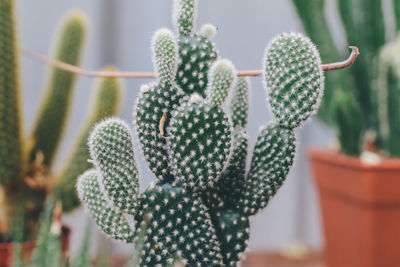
pixel 198 211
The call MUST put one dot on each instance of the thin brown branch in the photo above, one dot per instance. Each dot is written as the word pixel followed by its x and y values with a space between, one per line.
pixel 124 74
pixel 343 64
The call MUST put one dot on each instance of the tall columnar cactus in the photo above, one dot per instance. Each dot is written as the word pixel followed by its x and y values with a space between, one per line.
pixel 10 115
pixel 389 97
pixel 198 210
pixel 364 25
pixel 54 110
pixel 26 176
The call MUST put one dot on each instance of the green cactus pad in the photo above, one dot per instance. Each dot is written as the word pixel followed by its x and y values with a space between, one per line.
pixel 222 77
pixel 233 178
pixel 165 55
pixel 184 16
pixel 178 227
pixel 110 220
pixel 272 158
pixel 111 148
pixel 196 55
pixel 106 103
pixel 10 117
pixel 294 77
pixel 154 101
pixel 200 143
pixel 240 102
pixel 54 110
pixel 233 231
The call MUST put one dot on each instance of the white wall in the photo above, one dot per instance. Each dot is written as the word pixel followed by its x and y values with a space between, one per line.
pixel 120 33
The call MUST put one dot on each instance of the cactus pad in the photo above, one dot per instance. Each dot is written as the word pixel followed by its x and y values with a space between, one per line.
pixel 154 101
pixel 178 227
pixel 240 102
pixel 196 55
pixel 200 144
pixel 110 220
pixel 111 148
pixel 294 77
pixel 272 158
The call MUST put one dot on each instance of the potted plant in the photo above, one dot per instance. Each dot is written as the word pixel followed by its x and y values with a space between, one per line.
pixel 359 184
pixel 26 176
pixel 197 212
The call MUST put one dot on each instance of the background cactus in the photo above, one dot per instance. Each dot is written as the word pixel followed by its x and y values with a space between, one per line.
pixel 198 210
pixel 49 251
pixel 389 97
pixel 26 176
pixel 53 113
pixel 365 25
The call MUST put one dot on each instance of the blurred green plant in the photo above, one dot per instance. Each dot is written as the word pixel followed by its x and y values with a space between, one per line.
pixel 26 176
pixel 373 106
pixel 48 250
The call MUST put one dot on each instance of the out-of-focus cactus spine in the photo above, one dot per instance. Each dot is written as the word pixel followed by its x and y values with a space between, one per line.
pixel 389 97
pixel 198 210
pixel 10 115
pixel 106 103
pixel 54 110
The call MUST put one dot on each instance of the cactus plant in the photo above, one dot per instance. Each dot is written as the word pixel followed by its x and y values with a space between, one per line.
pixel 48 251
pixel 198 210
pixel 375 109
pixel 26 176
pixel 389 97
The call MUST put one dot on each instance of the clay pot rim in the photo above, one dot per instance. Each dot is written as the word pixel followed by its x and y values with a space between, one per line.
pixel 343 160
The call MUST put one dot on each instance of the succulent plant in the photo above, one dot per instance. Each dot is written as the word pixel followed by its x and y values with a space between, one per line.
pixel 389 97
pixel 26 176
pixel 198 211
pixel 370 120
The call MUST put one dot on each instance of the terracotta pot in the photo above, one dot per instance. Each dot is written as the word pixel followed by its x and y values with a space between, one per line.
pixel 360 210
pixel 6 249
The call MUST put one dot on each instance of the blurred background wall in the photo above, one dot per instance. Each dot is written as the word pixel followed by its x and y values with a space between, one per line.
pixel 120 34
